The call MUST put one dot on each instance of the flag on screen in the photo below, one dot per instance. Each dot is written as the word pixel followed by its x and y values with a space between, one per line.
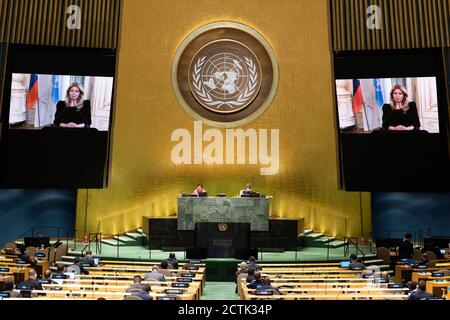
pixel 33 95
pixel 378 92
pixel 357 96
pixel 55 89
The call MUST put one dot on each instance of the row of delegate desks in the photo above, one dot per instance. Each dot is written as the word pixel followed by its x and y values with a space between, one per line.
pixel 84 288
pixel 82 295
pixel 325 281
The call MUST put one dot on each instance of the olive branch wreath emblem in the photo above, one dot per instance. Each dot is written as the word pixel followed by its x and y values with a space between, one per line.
pixel 206 97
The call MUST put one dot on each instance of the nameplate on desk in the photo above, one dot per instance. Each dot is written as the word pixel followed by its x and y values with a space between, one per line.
pixel 84 265
pixel 21 262
pixel 40 255
pixel 24 287
pixel 180 285
pixel 264 292
pixel 4 294
pixel 357 268
pixel 437 274
pixel 421 267
pixel 4 269
pixel 382 280
pixel 166 298
pixel 191 268
pixel 395 286
pixel 44 281
pixel 188 275
pixel 194 261
pixel 174 291
pixel 59 276
pixel 367 275
pixel 222 242
pixel 184 279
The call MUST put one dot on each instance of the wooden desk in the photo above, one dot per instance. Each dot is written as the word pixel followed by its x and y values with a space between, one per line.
pixel 331 297
pixel 435 287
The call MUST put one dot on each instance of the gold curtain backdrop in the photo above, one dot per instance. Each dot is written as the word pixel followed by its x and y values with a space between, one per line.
pixel 143 179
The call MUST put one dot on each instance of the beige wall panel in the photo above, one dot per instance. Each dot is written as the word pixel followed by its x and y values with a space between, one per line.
pixel 144 181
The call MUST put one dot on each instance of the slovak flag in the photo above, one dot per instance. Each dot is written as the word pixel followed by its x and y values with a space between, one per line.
pixel 55 89
pixel 33 94
pixel 357 96
pixel 378 92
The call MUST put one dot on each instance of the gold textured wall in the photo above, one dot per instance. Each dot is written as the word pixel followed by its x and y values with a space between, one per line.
pixel 43 22
pixel 144 181
pixel 405 24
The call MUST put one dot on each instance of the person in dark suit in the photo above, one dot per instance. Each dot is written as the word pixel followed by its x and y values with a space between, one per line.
pixel 251 263
pixel 32 281
pixel 172 260
pixel 25 257
pixel 406 248
pixel 137 284
pixel 267 285
pixel 257 280
pixel 74 111
pixel 400 114
pixel 420 293
pixel 88 259
pixel 355 262
pixel 424 259
pixel 144 294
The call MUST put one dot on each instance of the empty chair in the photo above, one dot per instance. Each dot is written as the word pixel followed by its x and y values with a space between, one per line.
pixel 431 255
pixel 376 270
pixel 417 254
pixel 10 248
pixel 60 251
pixel 51 255
pixel 31 252
pixel 384 254
pixel 187 265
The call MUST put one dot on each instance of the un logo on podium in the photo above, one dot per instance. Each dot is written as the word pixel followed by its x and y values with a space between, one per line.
pixel 225 74
pixel 223 227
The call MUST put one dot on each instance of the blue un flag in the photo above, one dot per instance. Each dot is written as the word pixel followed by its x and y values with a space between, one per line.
pixel 55 89
pixel 378 92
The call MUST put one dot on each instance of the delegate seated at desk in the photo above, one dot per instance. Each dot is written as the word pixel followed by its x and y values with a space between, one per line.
pixel 199 191
pixel 247 191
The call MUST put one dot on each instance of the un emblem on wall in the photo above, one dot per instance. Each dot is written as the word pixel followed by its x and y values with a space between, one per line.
pixel 225 74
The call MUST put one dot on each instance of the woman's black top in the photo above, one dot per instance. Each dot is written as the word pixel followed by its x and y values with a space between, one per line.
pixel 73 114
pixel 400 117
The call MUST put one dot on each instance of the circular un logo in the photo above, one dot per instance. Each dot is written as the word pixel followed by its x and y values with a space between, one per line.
pixel 225 74
pixel 223 227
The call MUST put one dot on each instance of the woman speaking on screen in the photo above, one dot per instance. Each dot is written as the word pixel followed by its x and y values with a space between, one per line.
pixel 400 114
pixel 74 111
